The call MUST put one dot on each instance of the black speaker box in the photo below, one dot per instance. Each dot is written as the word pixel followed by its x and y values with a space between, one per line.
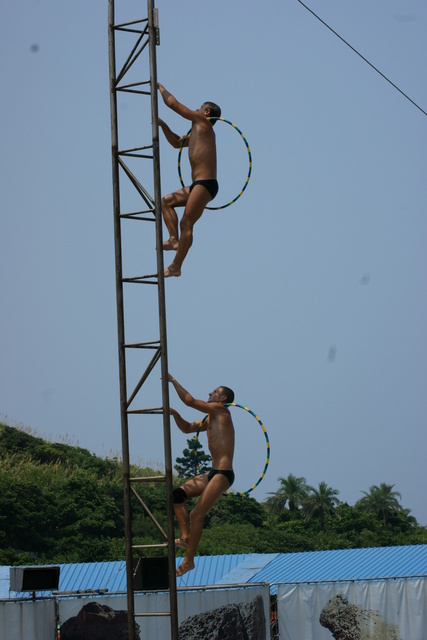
pixel 150 574
pixel 34 578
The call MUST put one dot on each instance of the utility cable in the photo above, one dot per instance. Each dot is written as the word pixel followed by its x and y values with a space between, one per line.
pixel 360 55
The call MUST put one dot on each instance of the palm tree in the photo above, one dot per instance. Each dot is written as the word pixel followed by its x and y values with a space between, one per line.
pixel 382 501
pixel 292 491
pixel 320 502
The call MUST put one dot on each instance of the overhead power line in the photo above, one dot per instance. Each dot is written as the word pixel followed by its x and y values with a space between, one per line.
pixel 363 58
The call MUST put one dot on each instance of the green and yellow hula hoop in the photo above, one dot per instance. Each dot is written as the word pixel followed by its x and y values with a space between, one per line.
pixel 247 492
pixel 249 156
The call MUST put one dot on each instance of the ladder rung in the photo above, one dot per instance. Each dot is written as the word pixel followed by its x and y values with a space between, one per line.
pixel 135 155
pixel 130 90
pixel 159 545
pixel 128 24
pixel 141 278
pixel 158 614
pixel 137 216
pixel 147 146
pixel 152 410
pixel 153 344
pixel 134 84
pixel 148 479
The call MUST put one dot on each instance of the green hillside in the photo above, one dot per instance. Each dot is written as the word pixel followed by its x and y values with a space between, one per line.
pixel 60 503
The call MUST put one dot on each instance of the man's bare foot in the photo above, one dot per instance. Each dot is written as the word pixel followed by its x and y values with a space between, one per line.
pixel 172 271
pixel 184 567
pixel 170 245
pixel 179 542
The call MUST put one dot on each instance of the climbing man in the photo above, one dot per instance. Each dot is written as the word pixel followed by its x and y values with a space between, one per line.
pixel 210 485
pixel 202 155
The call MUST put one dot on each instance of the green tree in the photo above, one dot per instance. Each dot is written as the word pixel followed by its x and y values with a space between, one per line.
pixel 320 503
pixel 193 460
pixel 229 538
pixel 234 509
pixel 72 503
pixel 382 501
pixel 292 490
pixel 295 536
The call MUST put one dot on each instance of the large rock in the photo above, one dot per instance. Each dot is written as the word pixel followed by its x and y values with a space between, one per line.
pixel 253 619
pixel 348 621
pixel 229 622
pixel 97 622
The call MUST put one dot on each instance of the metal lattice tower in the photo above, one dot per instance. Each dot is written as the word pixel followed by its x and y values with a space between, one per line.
pixel 134 44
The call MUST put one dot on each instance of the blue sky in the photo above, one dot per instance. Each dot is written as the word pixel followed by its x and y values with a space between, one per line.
pixel 307 296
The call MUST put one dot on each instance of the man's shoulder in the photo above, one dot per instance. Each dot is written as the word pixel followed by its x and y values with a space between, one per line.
pixel 202 124
pixel 219 405
pixel 217 408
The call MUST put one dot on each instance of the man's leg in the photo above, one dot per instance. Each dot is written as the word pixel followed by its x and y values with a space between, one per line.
pixel 191 488
pixel 196 203
pixel 213 491
pixel 177 199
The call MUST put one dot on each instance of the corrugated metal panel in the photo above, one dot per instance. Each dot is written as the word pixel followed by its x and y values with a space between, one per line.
pixel 4 582
pixel 112 575
pixel 248 568
pixel 209 569
pixel 81 577
pixel 343 564
pixel 346 564
pixel 93 575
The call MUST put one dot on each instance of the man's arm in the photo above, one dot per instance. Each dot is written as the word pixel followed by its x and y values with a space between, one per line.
pixel 190 401
pixel 173 138
pixel 184 425
pixel 179 108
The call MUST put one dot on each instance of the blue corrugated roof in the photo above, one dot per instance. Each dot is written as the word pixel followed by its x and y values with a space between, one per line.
pixel 77 577
pixel 93 575
pixel 346 564
pixel 248 568
pixel 311 566
pixel 209 570
pixel 112 575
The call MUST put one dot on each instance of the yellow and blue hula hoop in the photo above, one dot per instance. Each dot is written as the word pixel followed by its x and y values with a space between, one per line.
pixel 240 406
pixel 249 156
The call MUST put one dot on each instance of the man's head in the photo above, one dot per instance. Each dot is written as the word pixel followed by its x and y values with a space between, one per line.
pixel 221 394
pixel 228 393
pixel 211 110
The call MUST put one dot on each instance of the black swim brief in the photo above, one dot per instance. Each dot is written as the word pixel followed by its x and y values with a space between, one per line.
pixel 223 472
pixel 210 185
